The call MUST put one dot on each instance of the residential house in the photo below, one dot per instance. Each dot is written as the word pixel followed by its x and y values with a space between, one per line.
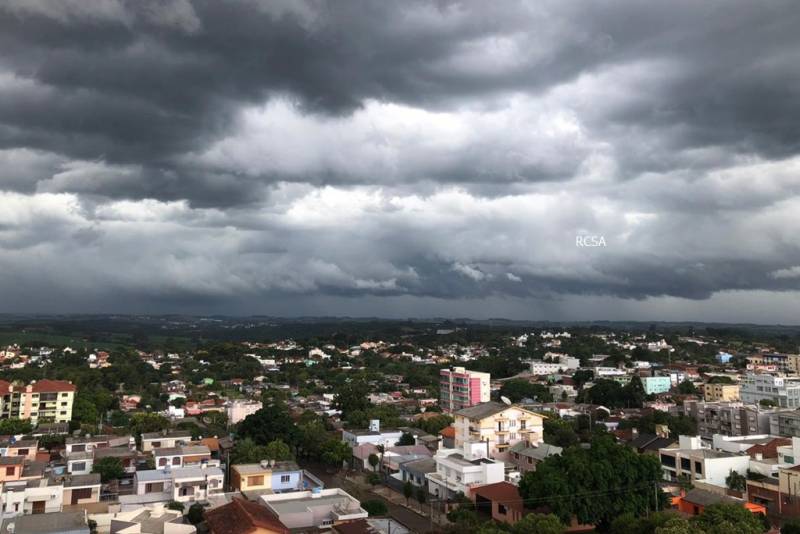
pixel 51 523
pixel 184 456
pixel 271 476
pixel 696 500
pixel 314 509
pixel 374 435
pixel 501 501
pixel 526 457
pixel 186 484
pixel 165 439
pixel 243 517
pixel 459 469
pixel 414 471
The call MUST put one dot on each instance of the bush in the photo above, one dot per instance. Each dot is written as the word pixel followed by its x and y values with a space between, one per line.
pixel 175 505
pixel 375 507
pixel 195 514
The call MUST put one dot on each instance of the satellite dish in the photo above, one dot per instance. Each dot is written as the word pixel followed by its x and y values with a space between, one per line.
pixel 505 400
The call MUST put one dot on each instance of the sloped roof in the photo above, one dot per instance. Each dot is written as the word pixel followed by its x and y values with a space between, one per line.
pixel 242 517
pixel 52 386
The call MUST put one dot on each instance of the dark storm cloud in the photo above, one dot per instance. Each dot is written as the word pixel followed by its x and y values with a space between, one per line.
pixel 184 153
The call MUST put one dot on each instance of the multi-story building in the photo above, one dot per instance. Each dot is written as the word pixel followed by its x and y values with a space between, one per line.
pixel 43 400
pixel 525 458
pixel 656 384
pixel 459 388
pixel 727 418
pixel 720 392
pixel 781 391
pixel 785 423
pixel 374 435
pixel 459 469
pixel 186 484
pixel 692 460
pixel 238 410
pixel 497 427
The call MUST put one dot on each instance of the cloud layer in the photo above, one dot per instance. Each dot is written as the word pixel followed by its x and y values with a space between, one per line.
pixel 248 156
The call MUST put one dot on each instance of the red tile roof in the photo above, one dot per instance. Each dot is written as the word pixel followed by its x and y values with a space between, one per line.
pixel 501 492
pixel 52 386
pixel 448 432
pixel 5 387
pixel 242 517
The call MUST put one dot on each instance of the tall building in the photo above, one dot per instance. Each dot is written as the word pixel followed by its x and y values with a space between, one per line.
pixel 459 388
pixel 782 391
pixel 727 418
pixel 497 427
pixel 42 401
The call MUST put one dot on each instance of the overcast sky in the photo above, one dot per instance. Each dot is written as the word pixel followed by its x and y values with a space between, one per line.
pixel 401 158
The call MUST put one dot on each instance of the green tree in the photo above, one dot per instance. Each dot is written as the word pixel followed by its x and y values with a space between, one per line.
pixel 247 451
pixel 434 425
pixel 13 426
pixel 679 525
pixel 408 490
pixel 375 507
pixel 268 424
pixel 335 453
pixel 177 506
pixel 792 526
pixel 569 483
pixel 148 422
pixel 729 519
pixel 109 468
pixel 406 439
pixel 736 481
pixel 538 524
pixel 352 397
pixel 373 479
pixel 687 387
pixel 559 432
pixel 518 389
pixel 195 514
pixel 373 460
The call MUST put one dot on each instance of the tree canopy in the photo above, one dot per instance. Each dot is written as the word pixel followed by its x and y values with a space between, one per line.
pixel 597 484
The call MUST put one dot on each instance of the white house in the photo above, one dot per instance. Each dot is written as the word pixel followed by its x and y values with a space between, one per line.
pixel 459 469
pixel 375 436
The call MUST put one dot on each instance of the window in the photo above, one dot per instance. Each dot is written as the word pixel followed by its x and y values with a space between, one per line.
pixel 162 462
pixel 255 481
pixel 10 471
pixel 522 424
pixel 156 444
pixel 79 448
pixel 285 478
pixel 698 468
pixel 176 460
pixel 22 452
pixel 327 522
pixel 79 466
pixel 501 509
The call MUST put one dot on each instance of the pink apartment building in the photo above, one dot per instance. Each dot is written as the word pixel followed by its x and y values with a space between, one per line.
pixel 459 388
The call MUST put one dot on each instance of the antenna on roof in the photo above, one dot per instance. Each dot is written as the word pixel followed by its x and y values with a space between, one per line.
pixel 505 400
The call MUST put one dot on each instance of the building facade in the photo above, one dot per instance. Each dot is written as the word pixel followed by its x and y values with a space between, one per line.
pixel 497 427
pixel 459 388
pixel 781 391
pixel 720 392
pixel 40 401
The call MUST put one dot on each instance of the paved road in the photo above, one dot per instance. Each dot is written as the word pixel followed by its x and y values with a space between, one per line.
pixel 409 518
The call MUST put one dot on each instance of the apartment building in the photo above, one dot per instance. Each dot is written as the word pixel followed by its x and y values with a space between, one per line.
pixel 785 423
pixel 497 427
pixel 781 391
pixel 727 418
pixel 654 385
pixel 459 388
pixel 39 401
pixel 720 392
pixel 238 410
